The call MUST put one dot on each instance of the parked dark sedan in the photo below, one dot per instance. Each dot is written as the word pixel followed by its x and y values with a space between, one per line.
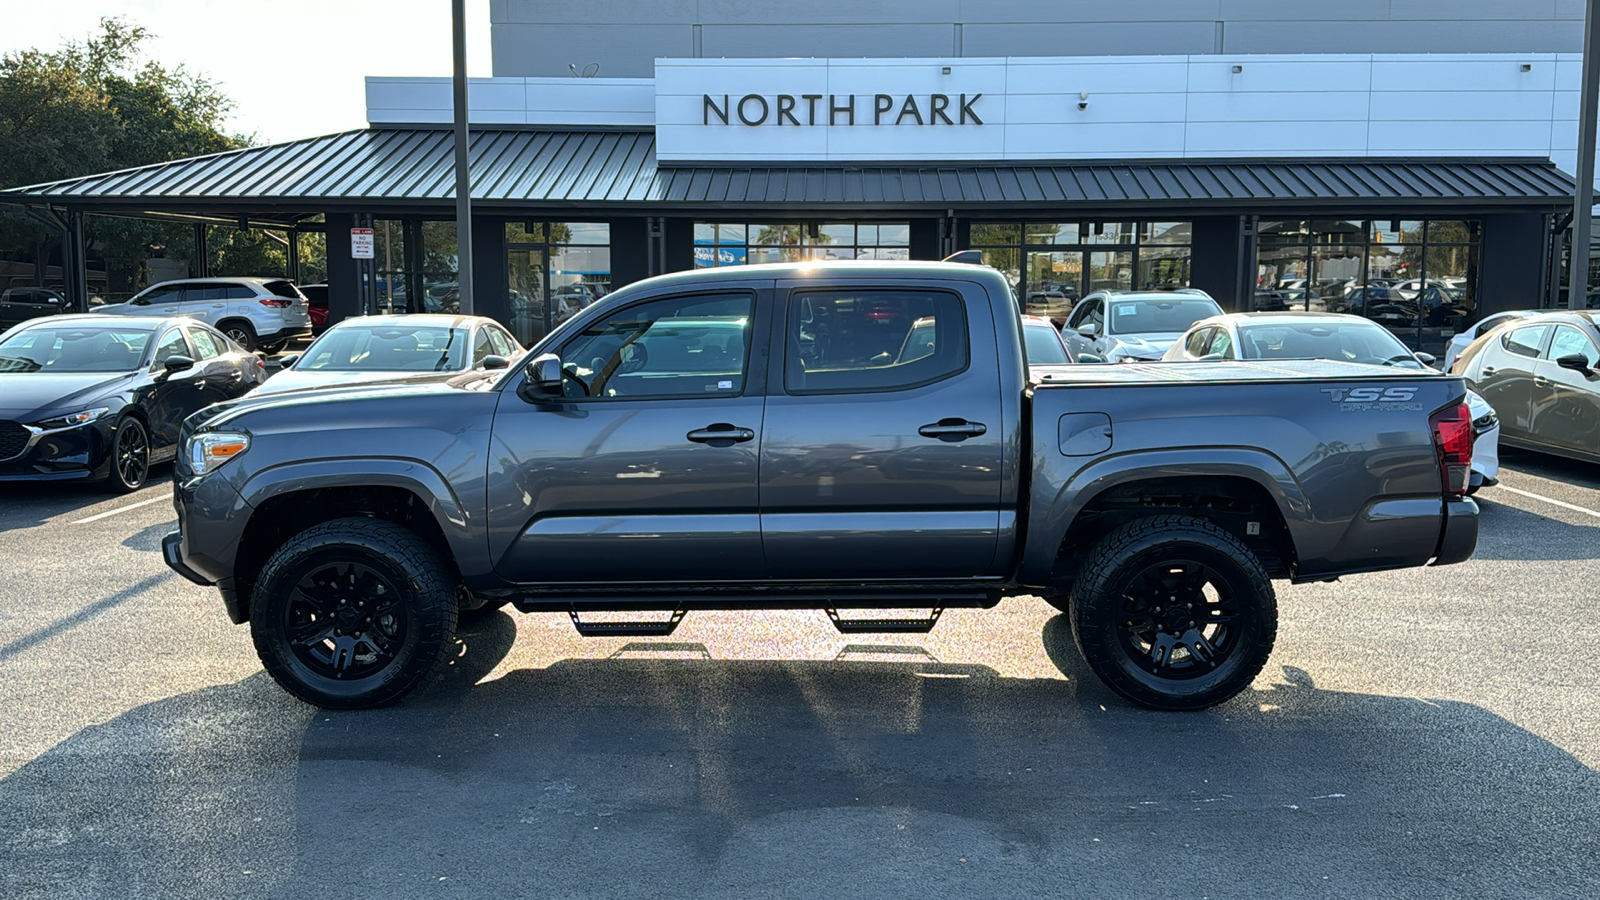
pixel 101 397
pixel 1541 373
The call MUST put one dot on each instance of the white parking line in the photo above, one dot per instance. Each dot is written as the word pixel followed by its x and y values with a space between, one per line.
pixel 120 509
pixel 1561 503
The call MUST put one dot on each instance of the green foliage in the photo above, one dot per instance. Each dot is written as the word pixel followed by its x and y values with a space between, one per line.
pixel 99 105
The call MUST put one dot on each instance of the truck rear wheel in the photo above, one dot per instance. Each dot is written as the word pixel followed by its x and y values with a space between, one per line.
pixel 1173 612
pixel 353 613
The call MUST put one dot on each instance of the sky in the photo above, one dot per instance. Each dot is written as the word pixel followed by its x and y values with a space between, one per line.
pixel 294 68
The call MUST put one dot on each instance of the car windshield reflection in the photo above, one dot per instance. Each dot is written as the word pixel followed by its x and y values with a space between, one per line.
pixel 74 349
pixel 387 348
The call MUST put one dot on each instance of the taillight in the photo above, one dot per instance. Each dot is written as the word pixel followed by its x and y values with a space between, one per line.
pixel 1452 441
pixel 276 302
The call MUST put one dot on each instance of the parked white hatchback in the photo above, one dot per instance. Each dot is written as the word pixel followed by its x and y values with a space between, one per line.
pixel 256 313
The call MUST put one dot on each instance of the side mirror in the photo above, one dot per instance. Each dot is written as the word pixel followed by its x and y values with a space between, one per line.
pixel 1577 362
pixel 1088 329
pixel 541 378
pixel 140 301
pixel 1427 359
pixel 1091 358
pixel 174 365
pixel 287 360
pixel 495 362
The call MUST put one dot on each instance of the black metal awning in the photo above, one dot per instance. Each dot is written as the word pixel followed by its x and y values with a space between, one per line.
pixel 527 169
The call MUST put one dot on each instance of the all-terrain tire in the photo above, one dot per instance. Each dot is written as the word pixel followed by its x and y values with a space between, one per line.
pixel 353 613
pixel 1173 612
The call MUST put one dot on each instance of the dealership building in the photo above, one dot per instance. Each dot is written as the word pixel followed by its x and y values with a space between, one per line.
pixel 1244 147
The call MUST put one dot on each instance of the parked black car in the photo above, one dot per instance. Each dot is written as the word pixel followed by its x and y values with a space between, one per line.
pixel 101 397
pixel 19 304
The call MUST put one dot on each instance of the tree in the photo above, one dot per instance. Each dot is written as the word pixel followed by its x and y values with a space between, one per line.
pixel 97 105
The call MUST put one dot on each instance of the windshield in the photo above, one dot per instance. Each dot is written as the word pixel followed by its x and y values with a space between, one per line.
pixel 1044 346
pixel 1361 342
pixel 387 348
pixel 1158 315
pixel 83 348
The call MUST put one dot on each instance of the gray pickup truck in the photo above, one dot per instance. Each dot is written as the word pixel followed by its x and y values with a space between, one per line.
pixel 856 438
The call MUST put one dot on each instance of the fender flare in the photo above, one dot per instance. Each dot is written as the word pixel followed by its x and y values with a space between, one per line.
pixel 1082 487
pixel 418 477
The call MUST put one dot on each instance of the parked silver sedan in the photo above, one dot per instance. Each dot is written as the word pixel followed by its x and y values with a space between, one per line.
pixel 396 348
pixel 1540 374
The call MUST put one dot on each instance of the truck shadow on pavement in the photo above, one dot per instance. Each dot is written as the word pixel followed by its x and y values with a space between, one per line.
pixel 730 779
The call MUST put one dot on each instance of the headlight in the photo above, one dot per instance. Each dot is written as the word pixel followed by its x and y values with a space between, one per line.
pixel 74 420
pixel 209 450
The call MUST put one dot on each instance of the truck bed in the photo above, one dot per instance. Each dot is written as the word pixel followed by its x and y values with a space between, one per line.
pixel 1219 372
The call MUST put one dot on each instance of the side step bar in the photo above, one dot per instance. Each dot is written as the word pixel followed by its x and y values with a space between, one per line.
pixel 627 629
pixel 884 626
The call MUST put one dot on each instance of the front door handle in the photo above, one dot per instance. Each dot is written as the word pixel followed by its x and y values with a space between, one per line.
pixel 1540 381
pixel 952 429
pixel 721 435
pixel 1488 370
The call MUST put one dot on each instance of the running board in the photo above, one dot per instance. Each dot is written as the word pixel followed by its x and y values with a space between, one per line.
pixel 884 626
pixel 626 629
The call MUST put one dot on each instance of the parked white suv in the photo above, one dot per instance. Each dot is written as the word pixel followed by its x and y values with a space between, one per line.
pixel 264 313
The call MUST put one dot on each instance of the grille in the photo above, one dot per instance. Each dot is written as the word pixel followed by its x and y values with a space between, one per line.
pixel 13 439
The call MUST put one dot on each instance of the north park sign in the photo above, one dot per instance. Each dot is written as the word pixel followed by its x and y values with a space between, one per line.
pixel 833 110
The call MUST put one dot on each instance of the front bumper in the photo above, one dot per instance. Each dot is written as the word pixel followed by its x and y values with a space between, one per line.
pixel 1460 534
pixel 171 551
pixel 63 455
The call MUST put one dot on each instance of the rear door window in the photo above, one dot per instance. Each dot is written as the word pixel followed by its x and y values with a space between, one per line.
pixel 1525 341
pixel 200 293
pixel 205 345
pixel 855 341
pixel 1569 341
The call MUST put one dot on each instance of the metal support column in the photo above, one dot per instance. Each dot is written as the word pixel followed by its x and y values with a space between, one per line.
pixel 201 266
pixel 294 254
pixel 76 274
pixel 458 17
pixel 1583 199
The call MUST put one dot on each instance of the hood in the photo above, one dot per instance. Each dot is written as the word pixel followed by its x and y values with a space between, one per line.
pixel 294 380
pixel 29 396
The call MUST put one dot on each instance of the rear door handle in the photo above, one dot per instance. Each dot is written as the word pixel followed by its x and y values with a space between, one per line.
pixel 721 435
pixel 952 429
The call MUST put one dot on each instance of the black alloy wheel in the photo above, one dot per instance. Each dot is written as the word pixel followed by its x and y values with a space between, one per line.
pixel 130 457
pixel 1180 620
pixel 1174 612
pixel 353 613
pixel 345 620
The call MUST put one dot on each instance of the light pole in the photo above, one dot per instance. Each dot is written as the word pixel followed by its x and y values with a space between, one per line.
pixel 1583 197
pixel 458 29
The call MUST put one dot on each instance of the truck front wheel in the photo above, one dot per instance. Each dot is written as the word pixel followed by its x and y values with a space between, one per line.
pixel 353 613
pixel 1173 612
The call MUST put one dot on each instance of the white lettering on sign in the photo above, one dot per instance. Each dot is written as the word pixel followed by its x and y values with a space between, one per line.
pixel 362 243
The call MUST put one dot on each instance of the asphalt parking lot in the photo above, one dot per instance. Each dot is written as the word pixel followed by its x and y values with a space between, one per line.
pixel 1427 733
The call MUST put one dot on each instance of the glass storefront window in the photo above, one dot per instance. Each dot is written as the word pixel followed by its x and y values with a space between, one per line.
pixel 1052 265
pixel 732 244
pixel 1417 277
pixel 554 269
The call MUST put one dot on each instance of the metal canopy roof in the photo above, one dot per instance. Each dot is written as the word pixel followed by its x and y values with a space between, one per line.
pixel 412 167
